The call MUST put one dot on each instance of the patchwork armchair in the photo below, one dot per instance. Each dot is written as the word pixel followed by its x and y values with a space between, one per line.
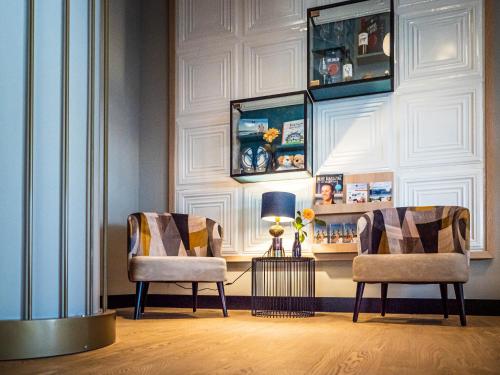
pixel 168 247
pixel 413 245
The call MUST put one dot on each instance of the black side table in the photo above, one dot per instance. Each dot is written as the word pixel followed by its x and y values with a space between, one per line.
pixel 283 287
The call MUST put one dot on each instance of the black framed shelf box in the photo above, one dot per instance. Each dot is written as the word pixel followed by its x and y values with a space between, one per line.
pixel 350 49
pixel 271 137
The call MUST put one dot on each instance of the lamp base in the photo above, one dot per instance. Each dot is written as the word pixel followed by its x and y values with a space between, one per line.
pixel 277 249
pixel 276 230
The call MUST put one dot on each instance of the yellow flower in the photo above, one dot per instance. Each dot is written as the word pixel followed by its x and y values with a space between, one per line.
pixel 270 135
pixel 308 214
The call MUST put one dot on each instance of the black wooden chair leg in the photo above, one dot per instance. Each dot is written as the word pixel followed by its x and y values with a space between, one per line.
pixel 443 287
pixel 195 295
pixel 383 292
pixel 144 296
pixel 220 287
pixel 139 287
pixel 359 295
pixel 459 294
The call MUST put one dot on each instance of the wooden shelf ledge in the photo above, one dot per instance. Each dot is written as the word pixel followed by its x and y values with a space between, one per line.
pixel 348 208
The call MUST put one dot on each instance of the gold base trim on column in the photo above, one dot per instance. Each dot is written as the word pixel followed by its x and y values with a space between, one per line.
pixel 22 339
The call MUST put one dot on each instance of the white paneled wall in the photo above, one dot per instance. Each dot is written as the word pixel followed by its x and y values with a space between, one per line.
pixel 354 134
pixel 430 131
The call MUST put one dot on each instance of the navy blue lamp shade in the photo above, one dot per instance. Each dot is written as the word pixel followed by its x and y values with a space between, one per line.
pixel 278 204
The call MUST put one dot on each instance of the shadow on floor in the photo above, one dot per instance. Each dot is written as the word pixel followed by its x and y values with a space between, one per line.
pixel 129 314
pixel 452 321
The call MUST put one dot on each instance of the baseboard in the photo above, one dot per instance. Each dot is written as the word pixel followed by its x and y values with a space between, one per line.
pixel 323 304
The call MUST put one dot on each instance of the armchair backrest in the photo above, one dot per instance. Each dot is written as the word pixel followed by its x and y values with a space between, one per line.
pixel 169 234
pixel 409 230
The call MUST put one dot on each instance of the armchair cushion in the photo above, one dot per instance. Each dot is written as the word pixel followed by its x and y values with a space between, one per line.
pixel 411 268
pixel 192 269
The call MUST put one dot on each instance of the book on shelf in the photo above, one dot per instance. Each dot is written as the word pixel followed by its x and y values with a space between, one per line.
pixel 357 193
pixel 350 233
pixel 252 126
pixel 343 233
pixel 329 189
pixel 320 234
pixel 293 132
pixel 381 191
pixel 336 233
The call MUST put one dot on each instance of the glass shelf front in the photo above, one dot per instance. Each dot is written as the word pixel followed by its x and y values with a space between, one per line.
pixel 271 137
pixel 350 49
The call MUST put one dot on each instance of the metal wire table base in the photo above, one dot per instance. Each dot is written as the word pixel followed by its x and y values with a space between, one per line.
pixel 283 287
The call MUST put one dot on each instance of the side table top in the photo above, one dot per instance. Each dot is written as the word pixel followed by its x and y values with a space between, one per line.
pixel 283 259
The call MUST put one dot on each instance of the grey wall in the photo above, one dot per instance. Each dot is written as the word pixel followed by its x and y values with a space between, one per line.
pixel 124 115
pixel 153 158
pixel 138 177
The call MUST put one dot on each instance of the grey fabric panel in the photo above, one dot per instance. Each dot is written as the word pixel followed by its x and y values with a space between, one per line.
pixel 171 238
pixel 436 267
pixel 151 268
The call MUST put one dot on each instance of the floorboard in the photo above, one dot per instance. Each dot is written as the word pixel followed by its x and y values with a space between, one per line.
pixel 176 341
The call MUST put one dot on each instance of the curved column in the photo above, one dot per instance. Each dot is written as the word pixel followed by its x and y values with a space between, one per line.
pixel 53 202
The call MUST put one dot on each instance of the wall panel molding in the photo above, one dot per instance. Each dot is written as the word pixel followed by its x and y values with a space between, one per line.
pixel 200 20
pixel 207 79
pixel 351 135
pixel 220 204
pixel 440 40
pixel 202 151
pixel 266 16
pixel 442 127
pixel 453 186
pixel 274 65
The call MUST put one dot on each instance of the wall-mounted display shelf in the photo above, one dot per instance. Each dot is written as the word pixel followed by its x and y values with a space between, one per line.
pixel 271 137
pixel 352 195
pixel 350 49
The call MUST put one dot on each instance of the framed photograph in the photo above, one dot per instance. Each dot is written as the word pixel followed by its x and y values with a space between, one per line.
pixel 252 126
pixel 381 191
pixel 329 189
pixel 293 132
pixel 357 193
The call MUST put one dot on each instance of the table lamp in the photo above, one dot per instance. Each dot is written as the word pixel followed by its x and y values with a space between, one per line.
pixel 277 207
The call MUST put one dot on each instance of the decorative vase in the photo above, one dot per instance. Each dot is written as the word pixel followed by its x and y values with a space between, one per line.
pixel 271 162
pixel 297 247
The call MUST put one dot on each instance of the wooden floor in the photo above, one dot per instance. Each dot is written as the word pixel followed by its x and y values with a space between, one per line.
pixel 175 341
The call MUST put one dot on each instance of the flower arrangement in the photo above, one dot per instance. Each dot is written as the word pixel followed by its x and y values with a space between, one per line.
pixel 270 135
pixel 303 219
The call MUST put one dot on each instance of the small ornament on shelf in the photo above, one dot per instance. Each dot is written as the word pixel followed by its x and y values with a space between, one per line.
pixel 347 70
